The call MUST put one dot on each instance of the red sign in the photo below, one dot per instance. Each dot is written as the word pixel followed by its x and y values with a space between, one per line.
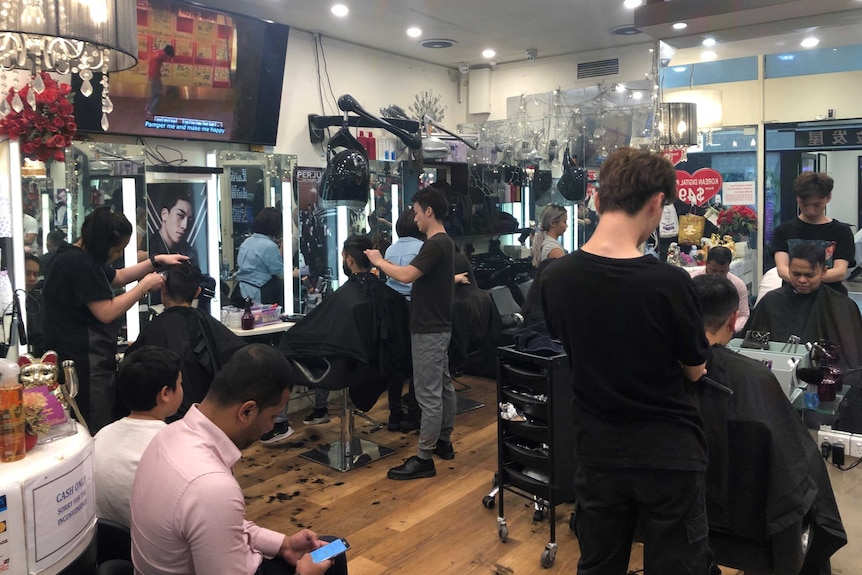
pixel 699 187
pixel 675 155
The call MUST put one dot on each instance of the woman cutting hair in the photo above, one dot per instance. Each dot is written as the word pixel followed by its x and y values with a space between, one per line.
pixel 81 310
pixel 260 262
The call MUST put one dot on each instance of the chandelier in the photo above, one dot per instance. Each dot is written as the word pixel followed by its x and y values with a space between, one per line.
pixel 66 36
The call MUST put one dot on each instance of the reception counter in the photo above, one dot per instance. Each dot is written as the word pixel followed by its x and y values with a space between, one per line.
pixel 47 506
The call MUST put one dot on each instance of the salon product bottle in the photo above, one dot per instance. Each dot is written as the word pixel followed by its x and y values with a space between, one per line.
pixel 371 148
pixel 247 321
pixel 11 413
pixel 363 139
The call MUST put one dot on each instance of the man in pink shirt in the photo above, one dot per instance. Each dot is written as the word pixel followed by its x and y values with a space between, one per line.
pixel 188 511
pixel 718 263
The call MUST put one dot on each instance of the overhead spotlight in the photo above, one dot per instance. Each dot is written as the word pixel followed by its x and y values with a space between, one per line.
pixel 709 42
pixel 414 32
pixel 632 3
pixel 637 95
pixel 340 10
pixel 708 55
pixel 488 53
pixel 680 26
pixel 809 42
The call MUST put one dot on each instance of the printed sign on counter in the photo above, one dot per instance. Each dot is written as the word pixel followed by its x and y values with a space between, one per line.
pixel 12 558
pixel 738 194
pixel 60 508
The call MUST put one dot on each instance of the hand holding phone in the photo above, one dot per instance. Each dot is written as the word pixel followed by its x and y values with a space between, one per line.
pixel 330 550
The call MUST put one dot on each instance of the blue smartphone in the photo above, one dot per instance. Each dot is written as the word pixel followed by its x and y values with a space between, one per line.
pixel 330 550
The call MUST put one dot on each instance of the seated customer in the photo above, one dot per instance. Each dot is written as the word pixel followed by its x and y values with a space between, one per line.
pixel 203 344
pixel 718 263
pixel 361 330
pixel 188 510
pixel 766 477
pixel 149 384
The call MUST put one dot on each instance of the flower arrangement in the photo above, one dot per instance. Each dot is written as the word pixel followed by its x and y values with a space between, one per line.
pixel 737 221
pixel 35 418
pixel 43 122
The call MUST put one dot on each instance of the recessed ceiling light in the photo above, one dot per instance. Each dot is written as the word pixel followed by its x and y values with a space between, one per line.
pixel 637 95
pixel 680 26
pixel 709 42
pixel 708 55
pixel 488 53
pixel 340 10
pixel 414 32
pixel 632 3
pixel 809 42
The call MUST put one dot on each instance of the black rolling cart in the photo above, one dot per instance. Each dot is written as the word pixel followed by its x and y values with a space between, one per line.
pixel 535 455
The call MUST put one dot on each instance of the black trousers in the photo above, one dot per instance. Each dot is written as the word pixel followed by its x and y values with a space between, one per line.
pixel 668 509
pixel 279 566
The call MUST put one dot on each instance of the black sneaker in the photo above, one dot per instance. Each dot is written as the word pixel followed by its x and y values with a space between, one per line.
pixel 444 450
pixel 413 468
pixel 394 424
pixel 281 431
pixel 316 417
pixel 409 424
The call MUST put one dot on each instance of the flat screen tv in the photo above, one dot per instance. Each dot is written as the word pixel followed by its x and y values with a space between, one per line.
pixel 223 81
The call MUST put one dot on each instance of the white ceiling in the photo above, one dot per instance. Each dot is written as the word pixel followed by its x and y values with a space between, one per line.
pixel 559 27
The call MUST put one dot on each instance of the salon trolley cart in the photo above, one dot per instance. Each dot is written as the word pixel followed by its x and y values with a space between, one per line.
pixel 535 455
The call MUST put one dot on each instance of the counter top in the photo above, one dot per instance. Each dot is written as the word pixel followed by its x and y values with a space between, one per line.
pixel 267 329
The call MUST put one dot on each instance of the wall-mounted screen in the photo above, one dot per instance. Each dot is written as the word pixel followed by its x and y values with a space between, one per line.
pixel 201 74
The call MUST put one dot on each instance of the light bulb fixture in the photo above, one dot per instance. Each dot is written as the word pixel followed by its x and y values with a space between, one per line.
pixel 414 32
pixel 680 26
pixel 709 42
pixel 340 10
pixel 809 42
pixel 632 3
pixel 678 126
pixel 488 53
pixel 63 36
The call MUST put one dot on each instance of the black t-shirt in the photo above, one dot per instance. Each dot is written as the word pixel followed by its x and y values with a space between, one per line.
pixel 433 292
pixel 835 237
pixel 626 325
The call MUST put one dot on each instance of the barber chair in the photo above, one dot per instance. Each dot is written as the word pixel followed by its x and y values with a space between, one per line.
pixel 113 541
pixel 510 314
pixel 349 451
pixel 116 567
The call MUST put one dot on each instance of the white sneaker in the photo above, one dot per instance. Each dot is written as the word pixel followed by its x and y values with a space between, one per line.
pixel 280 432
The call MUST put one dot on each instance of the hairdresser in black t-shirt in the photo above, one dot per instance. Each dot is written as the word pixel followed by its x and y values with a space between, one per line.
pixel 632 329
pixel 81 311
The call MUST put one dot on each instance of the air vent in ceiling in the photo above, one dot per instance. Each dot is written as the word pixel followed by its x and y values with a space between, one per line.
pixel 599 68
pixel 438 43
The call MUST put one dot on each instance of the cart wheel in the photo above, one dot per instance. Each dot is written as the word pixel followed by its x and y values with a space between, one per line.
pixel 488 501
pixel 538 515
pixel 548 557
pixel 573 523
pixel 503 533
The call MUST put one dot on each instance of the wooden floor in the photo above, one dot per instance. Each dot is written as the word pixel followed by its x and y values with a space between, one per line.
pixel 436 526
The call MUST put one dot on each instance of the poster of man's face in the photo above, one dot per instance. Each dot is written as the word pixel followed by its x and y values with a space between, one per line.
pixel 176 220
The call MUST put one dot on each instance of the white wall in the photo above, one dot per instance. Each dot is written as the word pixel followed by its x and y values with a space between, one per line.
pixel 375 79
pixel 842 166
pixel 548 74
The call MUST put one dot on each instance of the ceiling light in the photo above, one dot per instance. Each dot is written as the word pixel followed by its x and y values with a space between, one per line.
pixel 632 3
pixel 680 26
pixel 620 87
pixel 340 10
pixel 809 42
pixel 488 53
pixel 708 55
pixel 709 42
pixel 637 95
pixel 414 32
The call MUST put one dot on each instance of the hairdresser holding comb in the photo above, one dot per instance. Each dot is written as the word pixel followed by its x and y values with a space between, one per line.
pixel 81 311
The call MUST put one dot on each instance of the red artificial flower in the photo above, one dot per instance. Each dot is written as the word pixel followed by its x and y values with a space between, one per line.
pixel 47 129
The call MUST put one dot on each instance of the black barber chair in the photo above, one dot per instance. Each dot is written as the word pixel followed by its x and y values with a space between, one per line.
pixel 510 314
pixel 348 452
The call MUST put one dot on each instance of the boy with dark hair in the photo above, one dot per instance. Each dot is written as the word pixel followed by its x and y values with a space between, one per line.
pixel 813 192
pixel 203 343
pixel 150 385
pixel 640 449
pixel 431 272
